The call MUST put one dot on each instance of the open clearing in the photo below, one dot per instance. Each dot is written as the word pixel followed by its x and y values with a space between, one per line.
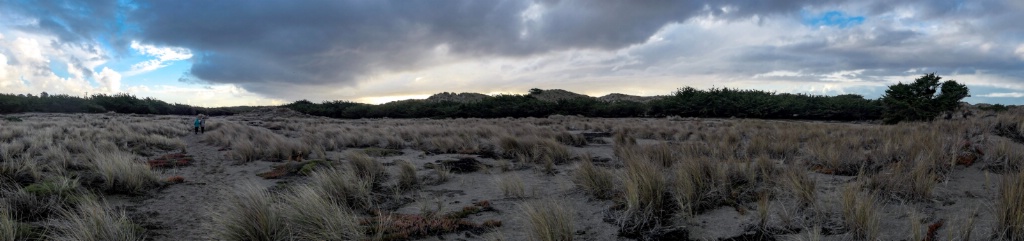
pixel 558 178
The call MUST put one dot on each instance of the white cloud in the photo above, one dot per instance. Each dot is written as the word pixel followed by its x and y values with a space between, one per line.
pixel 206 96
pixel 109 80
pixel 779 73
pixel 25 66
pixel 1004 95
pixel 3 67
pixel 1020 52
pixel 162 56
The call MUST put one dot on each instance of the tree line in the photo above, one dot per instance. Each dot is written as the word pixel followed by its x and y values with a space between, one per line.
pixel 686 102
pixel 922 100
pixel 100 103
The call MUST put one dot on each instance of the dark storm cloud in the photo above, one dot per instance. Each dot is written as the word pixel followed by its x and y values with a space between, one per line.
pixel 319 42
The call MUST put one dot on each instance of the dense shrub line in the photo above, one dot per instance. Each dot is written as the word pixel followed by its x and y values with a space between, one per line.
pixel 686 102
pixel 100 103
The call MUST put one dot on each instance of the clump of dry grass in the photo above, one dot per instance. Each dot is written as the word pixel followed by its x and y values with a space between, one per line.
pixel 20 170
pixel 120 173
pixel 534 149
pixel 594 180
pixel 443 173
pixel 407 175
pixel 343 186
pixel 94 221
pixel 833 158
pixel 698 185
pixel 904 181
pixel 511 186
pixel 567 138
pixel 1010 207
pixel 312 215
pixel 859 213
pixel 623 138
pixel 644 195
pixel 549 220
pixel 800 185
pixel 8 226
pixel 249 215
pixel 367 168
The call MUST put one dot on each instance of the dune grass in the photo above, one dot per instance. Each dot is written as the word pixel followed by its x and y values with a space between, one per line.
pixel 644 194
pixel 859 213
pixel 121 173
pixel 698 185
pixel 511 186
pixel 366 167
pixel 312 215
pixel 597 181
pixel 407 178
pixel 1010 207
pixel 549 220
pixel 344 187
pixel 249 214
pixel 799 184
pixel 93 221
pixel 8 226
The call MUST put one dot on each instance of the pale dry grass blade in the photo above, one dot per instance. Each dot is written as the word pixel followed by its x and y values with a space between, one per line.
pixel 93 221
pixel 645 188
pixel 312 215
pixel 859 213
pixel 594 180
pixel 1010 207
pixel 343 186
pixel 549 220
pixel 121 173
pixel 511 186
pixel 249 214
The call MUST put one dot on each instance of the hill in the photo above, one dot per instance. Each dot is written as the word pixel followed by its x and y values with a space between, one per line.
pixel 464 97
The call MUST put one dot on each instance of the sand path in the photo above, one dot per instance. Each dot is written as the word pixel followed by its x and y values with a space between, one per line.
pixel 185 211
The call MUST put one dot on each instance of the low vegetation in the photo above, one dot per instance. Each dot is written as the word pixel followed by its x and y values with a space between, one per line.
pixel 1010 207
pixel 94 221
pixel 250 214
pixel 549 220
pixel 646 178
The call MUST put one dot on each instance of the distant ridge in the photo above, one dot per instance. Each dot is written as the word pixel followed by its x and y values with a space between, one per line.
pixel 550 95
pixel 616 97
pixel 554 95
pixel 464 97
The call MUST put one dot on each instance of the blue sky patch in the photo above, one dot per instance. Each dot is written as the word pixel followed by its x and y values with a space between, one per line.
pixel 832 19
pixel 60 69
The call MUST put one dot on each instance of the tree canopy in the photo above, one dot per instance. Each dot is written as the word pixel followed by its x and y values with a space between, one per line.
pixel 922 100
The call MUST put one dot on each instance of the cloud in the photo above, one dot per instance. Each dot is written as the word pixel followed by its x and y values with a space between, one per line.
pixel 342 43
pixel 356 49
pixel 162 55
pixel 110 80
pixel 1004 95
pixel 1020 52
pixel 25 66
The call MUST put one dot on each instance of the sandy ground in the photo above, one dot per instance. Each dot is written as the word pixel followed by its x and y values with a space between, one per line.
pixel 183 211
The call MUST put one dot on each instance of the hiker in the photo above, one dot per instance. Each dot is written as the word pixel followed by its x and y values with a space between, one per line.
pixel 198 123
pixel 202 124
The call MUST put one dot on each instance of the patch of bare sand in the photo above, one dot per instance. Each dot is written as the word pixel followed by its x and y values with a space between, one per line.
pixel 184 211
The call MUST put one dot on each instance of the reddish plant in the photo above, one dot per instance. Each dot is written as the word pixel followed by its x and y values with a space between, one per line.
pixel 175 179
pixel 932 229
pixel 171 160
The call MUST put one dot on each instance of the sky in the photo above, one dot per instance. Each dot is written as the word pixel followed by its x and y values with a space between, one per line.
pixel 243 52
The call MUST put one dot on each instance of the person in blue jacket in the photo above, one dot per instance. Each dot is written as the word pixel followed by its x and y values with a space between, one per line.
pixel 198 123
